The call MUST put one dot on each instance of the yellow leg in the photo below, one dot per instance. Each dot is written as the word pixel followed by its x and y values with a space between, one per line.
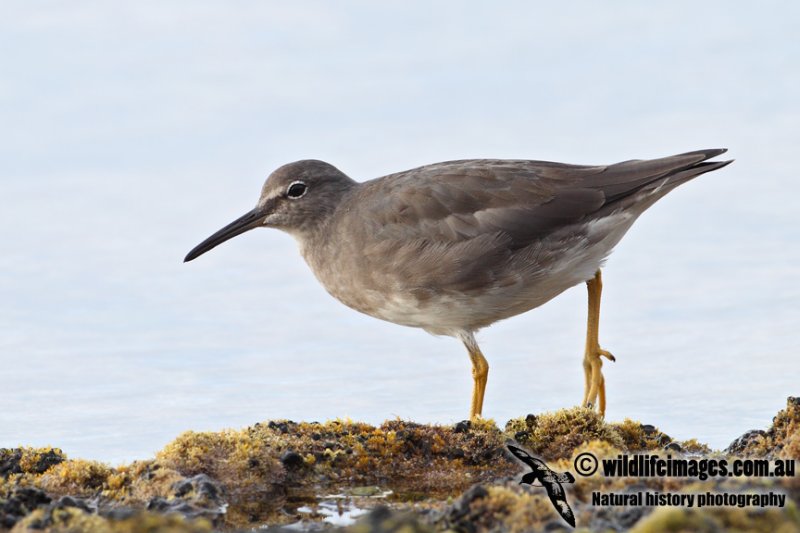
pixel 595 385
pixel 480 373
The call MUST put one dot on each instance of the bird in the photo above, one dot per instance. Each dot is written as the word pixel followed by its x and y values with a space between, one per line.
pixel 548 479
pixel 453 247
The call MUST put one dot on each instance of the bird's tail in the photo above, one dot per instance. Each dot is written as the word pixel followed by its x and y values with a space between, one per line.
pixel 701 166
pixel 657 177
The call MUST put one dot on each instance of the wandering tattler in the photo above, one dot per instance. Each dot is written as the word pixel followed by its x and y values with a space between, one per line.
pixel 454 247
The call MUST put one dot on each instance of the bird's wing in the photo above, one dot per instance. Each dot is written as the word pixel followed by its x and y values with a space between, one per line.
pixel 456 227
pixel 528 459
pixel 461 200
pixel 548 478
pixel 565 477
pixel 557 495
pixel 519 200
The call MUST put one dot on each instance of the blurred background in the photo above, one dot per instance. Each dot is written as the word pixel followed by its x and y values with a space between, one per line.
pixel 132 130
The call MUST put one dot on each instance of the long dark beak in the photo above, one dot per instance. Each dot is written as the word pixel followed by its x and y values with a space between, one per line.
pixel 248 221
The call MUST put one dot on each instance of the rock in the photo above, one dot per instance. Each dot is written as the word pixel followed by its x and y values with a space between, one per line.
pixel 66 511
pixel 117 513
pixel 653 434
pixel 19 503
pixel 556 525
pixel 199 488
pixel 38 460
pixel 77 503
pixel 456 476
pixel 741 444
pixel 195 497
pixel 292 459
pixel 281 425
pixel 630 516
pixel 673 447
pixel 47 459
pixel 455 453
pixel 649 429
pixel 383 520
pixel 461 509
pixel 462 427
pixel 10 461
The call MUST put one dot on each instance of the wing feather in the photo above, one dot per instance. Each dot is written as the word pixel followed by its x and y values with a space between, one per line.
pixel 464 225
pixel 523 200
pixel 526 458
pixel 557 495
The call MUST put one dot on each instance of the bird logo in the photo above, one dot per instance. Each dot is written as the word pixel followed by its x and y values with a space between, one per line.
pixel 548 479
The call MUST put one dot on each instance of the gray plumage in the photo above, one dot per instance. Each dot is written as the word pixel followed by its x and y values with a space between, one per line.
pixel 453 247
pixel 459 245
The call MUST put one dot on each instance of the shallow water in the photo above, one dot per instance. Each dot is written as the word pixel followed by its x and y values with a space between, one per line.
pixel 133 135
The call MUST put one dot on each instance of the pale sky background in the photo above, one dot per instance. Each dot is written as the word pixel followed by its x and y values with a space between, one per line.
pixel 132 130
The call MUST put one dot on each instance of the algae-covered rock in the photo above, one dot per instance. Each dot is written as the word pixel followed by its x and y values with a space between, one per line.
pixel 384 520
pixel 282 464
pixel 781 440
pixel 402 476
pixel 720 519
pixel 557 434
pixel 195 497
pixel 500 508
pixel 28 460
pixel 63 519
pixel 18 503
pixel 78 476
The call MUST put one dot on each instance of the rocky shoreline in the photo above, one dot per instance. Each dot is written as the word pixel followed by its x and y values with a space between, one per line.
pixel 400 476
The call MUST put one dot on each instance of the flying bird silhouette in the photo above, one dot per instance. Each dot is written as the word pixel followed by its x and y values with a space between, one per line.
pixel 550 480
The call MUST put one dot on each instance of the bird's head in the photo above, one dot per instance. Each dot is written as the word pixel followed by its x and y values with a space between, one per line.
pixel 296 198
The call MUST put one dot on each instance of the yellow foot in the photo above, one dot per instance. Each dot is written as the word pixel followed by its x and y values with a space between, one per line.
pixel 594 392
pixel 480 372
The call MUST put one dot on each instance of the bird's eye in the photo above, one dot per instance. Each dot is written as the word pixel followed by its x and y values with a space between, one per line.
pixel 296 189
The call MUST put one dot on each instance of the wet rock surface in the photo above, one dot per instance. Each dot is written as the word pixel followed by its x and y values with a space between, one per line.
pixel 195 497
pixel 747 441
pixel 20 502
pixel 17 460
pixel 398 477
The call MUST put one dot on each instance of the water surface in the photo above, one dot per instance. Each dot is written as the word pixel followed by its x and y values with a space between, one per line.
pixel 135 130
